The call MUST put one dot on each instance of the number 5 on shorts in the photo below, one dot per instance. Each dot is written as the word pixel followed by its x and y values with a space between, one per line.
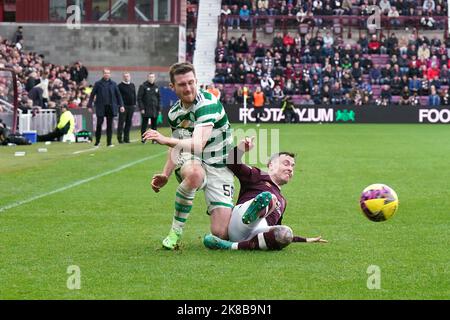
pixel 228 190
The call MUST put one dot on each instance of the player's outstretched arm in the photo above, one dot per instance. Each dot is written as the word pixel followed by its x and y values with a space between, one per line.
pixel 316 239
pixel 246 144
pixel 159 180
pixel 234 160
pixel 309 240
pixel 195 144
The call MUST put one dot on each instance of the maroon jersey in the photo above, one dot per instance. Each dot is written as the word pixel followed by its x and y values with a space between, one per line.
pixel 254 181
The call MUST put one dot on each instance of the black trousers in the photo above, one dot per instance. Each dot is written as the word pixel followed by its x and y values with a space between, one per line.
pixel 290 116
pixel 109 121
pixel 259 112
pixel 144 123
pixel 56 134
pixel 124 124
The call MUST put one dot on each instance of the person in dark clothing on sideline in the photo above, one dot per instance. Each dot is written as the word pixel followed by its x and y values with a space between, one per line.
pixel 128 92
pixel 107 102
pixel 149 103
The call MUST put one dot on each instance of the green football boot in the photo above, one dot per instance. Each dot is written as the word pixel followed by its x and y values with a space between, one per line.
pixel 172 240
pixel 260 202
pixel 213 242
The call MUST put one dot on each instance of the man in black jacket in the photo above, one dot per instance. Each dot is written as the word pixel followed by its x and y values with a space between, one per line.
pixel 78 72
pixel 128 92
pixel 107 102
pixel 149 103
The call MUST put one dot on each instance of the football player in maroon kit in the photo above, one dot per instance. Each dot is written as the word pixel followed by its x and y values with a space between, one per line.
pixel 255 223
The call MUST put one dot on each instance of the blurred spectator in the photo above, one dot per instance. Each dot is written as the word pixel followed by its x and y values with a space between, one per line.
pixel 404 98
pixel 288 110
pixel 242 44
pixel 307 101
pixel 225 12
pixel 214 91
pixel 239 95
pixel 445 97
pixel 244 17
pixel 433 98
pixel 385 96
pixel 240 74
pixel 428 6
pixel 259 100
pixel 3 132
pixel 36 96
pixel 278 94
pixel 385 6
pixel 260 52
pixel 374 45
pixel 78 72
pixel 221 50
pixel 267 85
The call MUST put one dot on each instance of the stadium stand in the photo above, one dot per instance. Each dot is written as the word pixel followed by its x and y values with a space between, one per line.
pixel 191 26
pixel 43 84
pixel 329 51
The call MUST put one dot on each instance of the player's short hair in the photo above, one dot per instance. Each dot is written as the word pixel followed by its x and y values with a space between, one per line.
pixel 180 68
pixel 278 154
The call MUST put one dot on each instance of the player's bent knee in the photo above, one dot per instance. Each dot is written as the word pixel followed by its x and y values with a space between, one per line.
pixel 194 176
pixel 283 235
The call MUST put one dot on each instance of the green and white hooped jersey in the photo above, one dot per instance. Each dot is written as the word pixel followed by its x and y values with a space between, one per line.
pixel 206 110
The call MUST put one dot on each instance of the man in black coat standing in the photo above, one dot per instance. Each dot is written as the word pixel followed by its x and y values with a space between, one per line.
pixel 128 91
pixel 107 102
pixel 149 103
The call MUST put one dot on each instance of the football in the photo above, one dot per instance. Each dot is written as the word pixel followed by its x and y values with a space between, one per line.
pixel 379 202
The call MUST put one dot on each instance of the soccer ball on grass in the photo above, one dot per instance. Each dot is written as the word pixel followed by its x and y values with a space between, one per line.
pixel 378 202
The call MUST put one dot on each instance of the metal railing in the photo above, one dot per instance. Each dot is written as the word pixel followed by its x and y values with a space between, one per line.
pixel 42 121
pixel 337 24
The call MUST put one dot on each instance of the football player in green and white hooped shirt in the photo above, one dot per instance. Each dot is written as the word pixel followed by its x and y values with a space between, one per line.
pixel 198 150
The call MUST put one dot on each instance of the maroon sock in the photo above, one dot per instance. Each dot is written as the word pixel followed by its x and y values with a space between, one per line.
pixel 253 243
pixel 299 239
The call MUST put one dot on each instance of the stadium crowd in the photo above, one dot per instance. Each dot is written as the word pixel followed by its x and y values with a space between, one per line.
pixel 42 84
pixel 314 67
pixel 324 68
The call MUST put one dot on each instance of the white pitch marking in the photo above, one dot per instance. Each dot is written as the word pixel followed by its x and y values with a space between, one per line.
pixel 81 151
pixel 77 183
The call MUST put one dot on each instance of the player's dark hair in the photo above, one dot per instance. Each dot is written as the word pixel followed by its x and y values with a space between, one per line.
pixel 180 68
pixel 278 154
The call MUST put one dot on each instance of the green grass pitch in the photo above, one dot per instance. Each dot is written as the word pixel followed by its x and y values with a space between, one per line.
pixel 95 210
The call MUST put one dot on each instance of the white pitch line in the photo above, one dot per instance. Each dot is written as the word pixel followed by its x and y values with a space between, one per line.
pixel 77 183
pixel 92 149
pixel 86 150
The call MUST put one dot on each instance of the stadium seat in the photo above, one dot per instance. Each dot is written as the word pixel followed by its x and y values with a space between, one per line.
pixel 268 28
